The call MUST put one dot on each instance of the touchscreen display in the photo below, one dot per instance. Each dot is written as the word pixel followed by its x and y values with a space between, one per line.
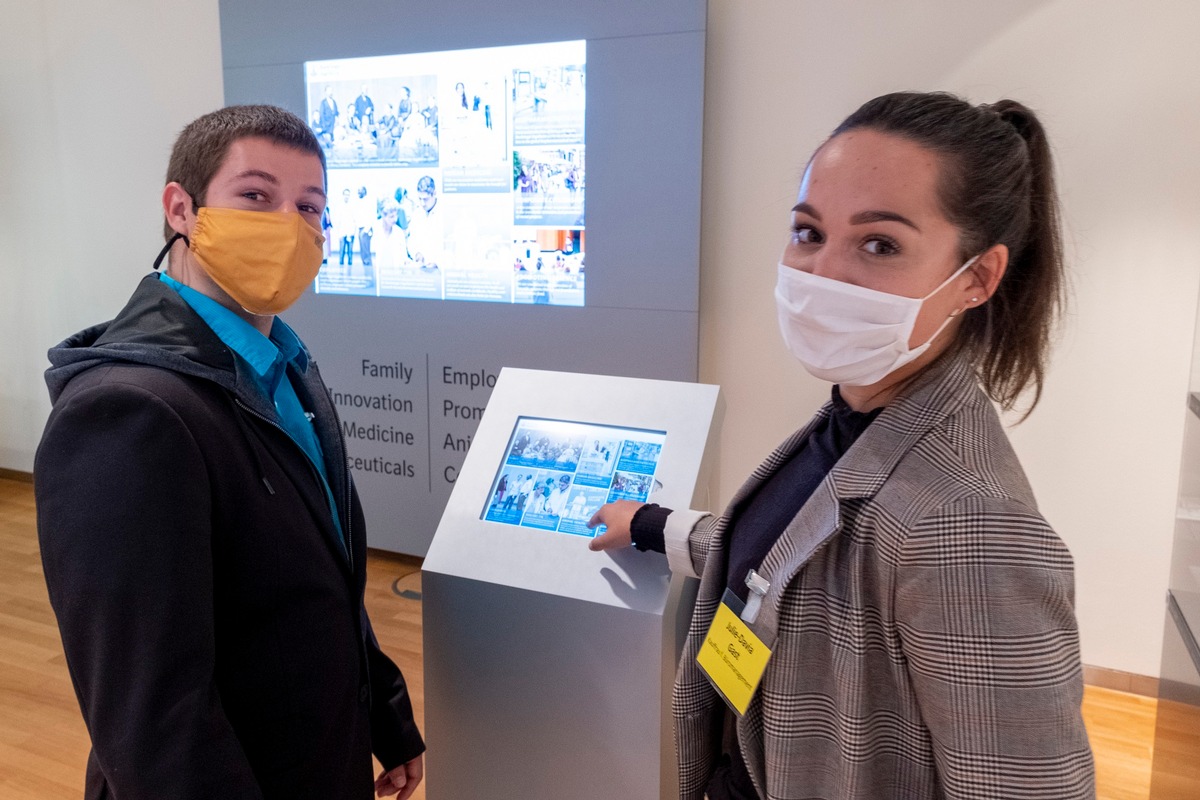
pixel 556 473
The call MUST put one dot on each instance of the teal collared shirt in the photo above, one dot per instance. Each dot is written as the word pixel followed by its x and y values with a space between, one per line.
pixel 268 359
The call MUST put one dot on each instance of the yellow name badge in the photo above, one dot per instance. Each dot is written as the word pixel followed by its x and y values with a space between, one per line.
pixel 733 658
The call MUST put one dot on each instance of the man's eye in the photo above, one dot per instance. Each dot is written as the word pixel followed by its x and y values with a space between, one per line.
pixel 805 234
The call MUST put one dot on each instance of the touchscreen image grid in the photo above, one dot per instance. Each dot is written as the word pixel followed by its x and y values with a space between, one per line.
pixel 456 175
pixel 555 473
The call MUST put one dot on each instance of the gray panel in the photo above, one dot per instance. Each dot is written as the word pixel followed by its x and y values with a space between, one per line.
pixel 608 341
pixel 645 117
pixel 278 84
pixel 645 113
pixel 281 31
pixel 1176 745
pixel 1180 677
pixel 539 697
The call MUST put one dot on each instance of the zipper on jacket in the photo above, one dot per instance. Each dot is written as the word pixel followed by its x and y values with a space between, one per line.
pixel 312 469
pixel 348 521
pixel 348 517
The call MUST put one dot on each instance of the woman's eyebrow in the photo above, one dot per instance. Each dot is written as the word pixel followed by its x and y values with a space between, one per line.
pixel 805 208
pixel 861 218
pixel 864 217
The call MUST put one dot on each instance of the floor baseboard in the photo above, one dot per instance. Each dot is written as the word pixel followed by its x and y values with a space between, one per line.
pixel 1119 681
pixel 16 475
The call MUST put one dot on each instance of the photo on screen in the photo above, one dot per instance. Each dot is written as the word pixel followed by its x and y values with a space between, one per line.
pixel 548 267
pixel 548 103
pixel 548 187
pixel 440 162
pixel 374 119
pixel 556 473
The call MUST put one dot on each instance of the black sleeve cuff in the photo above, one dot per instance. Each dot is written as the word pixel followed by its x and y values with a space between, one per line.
pixel 647 526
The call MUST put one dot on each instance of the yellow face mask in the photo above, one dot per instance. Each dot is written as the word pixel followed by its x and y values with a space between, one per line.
pixel 264 260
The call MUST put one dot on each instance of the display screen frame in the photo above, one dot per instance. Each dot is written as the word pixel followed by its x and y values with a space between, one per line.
pixel 555 473
pixel 456 174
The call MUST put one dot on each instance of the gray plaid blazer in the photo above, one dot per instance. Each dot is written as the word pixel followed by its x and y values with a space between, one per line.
pixel 923 615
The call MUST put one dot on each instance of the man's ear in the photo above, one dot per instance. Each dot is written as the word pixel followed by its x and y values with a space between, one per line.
pixel 987 271
pixel 177 207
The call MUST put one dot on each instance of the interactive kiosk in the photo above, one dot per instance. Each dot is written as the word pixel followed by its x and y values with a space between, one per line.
pixel 548 668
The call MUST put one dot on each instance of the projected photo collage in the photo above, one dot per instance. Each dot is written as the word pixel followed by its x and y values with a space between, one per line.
pixel 456 175
pixel 555 474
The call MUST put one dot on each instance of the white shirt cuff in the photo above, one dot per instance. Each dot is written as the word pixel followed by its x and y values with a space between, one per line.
pixel 675 536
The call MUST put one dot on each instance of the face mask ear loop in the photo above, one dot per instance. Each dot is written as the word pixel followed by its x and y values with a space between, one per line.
pixel 167 248
pixel 957 272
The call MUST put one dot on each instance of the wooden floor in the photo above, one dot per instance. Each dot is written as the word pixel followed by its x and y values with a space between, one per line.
pixel 43 743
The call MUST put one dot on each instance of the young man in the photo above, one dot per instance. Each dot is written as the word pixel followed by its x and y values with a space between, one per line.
pixel 202 540
pixel 425 229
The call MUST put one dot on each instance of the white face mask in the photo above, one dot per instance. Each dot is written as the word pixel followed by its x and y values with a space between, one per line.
pixel 849 334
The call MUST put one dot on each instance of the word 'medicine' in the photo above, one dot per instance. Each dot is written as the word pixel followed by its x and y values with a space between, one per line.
pixel 377 433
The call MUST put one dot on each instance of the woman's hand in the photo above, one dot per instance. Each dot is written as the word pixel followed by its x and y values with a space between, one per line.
pixel 616 516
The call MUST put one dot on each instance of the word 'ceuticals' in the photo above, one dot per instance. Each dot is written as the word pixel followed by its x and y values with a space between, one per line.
pixel 477 379
pixel 396 371
pixel 377 433
pixel 398 469
pixel 378 402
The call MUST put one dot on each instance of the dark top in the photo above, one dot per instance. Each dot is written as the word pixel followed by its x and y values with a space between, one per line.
pixel 761 519
pixel 756 526
pixel 765 514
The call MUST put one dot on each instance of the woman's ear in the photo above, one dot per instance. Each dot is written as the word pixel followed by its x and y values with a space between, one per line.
pixel 177 207
pixel 986 273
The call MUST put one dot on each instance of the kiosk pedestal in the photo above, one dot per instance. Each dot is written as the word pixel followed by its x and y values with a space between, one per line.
pixel 548 668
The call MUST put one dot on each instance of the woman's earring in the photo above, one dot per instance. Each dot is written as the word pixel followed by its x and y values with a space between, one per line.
pixel 958 311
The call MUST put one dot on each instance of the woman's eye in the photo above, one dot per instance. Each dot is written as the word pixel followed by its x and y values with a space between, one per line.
pixel 252 195
pixel 880 247
pixel 806 234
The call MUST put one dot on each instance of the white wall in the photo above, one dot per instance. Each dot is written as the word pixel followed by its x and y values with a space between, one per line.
pixel 1118 85
pixel 92 94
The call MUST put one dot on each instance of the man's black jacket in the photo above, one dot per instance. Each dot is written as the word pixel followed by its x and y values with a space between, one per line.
pixel 213 624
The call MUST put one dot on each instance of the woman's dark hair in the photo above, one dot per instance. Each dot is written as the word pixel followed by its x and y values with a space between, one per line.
pixel 997 187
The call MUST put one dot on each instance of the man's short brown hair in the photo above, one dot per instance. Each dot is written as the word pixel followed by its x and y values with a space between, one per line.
pixel 202 146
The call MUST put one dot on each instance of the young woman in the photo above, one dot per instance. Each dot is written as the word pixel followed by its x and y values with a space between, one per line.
pixel 918 607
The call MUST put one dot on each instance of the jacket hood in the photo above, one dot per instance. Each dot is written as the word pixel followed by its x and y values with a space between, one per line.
pixel 156 327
